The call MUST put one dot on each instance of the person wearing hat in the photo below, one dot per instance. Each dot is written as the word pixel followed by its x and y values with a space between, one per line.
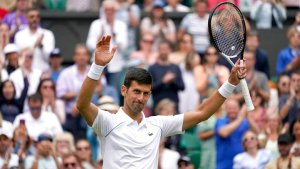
pixel 7 158
pixel 185 162
pixel 11 53
pixel 55 62
pixel 286 160
pixel 44 156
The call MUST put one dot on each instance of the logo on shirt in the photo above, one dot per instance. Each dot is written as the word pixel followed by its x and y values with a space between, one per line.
pixel 150 134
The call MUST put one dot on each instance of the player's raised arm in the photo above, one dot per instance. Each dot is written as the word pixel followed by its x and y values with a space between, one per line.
pixel 103 55
pixel 214 102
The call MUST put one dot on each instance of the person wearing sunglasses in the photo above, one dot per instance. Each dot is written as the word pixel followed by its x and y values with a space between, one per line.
pixel 71 161
pixel 252 157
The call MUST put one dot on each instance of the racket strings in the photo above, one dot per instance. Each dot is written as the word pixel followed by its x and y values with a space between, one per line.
pixel 227 30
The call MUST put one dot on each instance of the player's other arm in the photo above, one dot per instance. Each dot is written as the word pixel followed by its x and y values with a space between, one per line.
pixel 102 57
pixel 214 102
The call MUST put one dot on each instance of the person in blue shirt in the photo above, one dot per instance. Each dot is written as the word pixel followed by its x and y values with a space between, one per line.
pixel 229 131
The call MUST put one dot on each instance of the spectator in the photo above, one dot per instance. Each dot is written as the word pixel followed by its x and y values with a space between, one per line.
pixel 268 14
pixel 11 53
pixel 167 78
pixel 211 73
pixel 107 103
pixel 84 154
pixel 206 134
pixel 196 25
pixel 297 21
pixel 39 39
pixel 261 57
pixel 175 6
pixel 82 6
pixel 288 58
pixel 288 104
pixel 283 85
pixel 9 105
pixel 55 61
pixel 68 86
pixel 129 13
pixel 256 80
pixel 294 131
pixel 273 130
pixel 51 104
pixel 145 56
pixel 71 161
pixel 37 121
pixel 185 163
pixel 26 69
pixel 185 47
pixel 21 142
pixel 285 142
pixel 17 20
pixel 159 25
pixel 110 25
pixel 167 158
pixel 63 144
pixel 189 98
pixel 229 131
pixel 252 157
pixel 147 5
pixel 44 155
pixel 7 158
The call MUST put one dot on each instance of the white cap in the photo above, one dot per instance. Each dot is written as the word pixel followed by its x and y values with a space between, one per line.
pixel 10 48
pixel 6 129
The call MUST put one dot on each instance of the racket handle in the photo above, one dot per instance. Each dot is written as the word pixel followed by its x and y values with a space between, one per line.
pixel 246 95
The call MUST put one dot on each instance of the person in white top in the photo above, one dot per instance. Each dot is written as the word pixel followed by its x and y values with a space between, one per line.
pixel 39 39
pixel 128 138
pixel 175 6
pixel 253 157
pixel 37 121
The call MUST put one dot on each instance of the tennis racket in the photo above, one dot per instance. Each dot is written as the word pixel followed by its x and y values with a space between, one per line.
pixel 227 32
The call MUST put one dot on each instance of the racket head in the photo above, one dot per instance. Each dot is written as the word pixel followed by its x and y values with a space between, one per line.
pixel 227 29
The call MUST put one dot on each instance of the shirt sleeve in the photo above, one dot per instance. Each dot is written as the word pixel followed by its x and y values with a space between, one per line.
pixel 170 125
pixel 103 123
pixel 237 162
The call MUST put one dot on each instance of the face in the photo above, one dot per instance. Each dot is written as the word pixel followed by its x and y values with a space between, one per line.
pixel 4 143
pixel 83 150
pixel 172 2
pixel 8 90
pixel 55 61
pixel 22 5
pixel 27 59
pixel 168 110
pixel 284 84
pixel 256 98
pixel 284 149
pixel 63 147
pixel 81 56
pixel 164 51
pixel 4 29
pixel 252 43
pixel 211 55
pixel 45 147
pixel 296 130
pixel 232 109
pixel 33 18
pixel 187 42
pixel 136 96
pixel 295 39
pixel 295 82
pixel 109 12
pixel 250 140
pixel 249 56
pixel 273 122
pixel 157 12
pixel 201 9
pixel 70 163
pixel 147 42
pixel 12 59
pixel 47 89
pixel 35 108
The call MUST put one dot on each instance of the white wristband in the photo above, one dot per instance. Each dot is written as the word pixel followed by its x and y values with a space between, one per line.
pixel 226 89
pixel 95 71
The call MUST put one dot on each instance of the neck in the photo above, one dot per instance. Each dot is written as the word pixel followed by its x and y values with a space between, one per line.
pixel 33 29
pixel 56 67
pixel 163 62
pixel 81 68
pixel 135 116
pixel 294 47
pixel 252 152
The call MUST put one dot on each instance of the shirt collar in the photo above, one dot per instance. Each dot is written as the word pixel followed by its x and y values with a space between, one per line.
pixel 128 120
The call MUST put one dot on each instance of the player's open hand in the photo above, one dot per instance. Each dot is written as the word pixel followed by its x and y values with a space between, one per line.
pixel 103 55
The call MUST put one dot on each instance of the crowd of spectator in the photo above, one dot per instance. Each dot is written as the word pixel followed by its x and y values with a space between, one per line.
pixel 40 126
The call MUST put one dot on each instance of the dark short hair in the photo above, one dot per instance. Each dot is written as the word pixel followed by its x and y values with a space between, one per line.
pixel 35 98
pixel 139 75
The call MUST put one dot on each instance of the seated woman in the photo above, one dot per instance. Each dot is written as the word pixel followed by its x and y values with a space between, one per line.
pixel 63 144
pixel 252 157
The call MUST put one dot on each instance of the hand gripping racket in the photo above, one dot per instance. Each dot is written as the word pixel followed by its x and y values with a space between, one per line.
pixel 227 32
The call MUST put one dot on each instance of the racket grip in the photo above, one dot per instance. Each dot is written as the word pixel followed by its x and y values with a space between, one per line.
pixel 246 95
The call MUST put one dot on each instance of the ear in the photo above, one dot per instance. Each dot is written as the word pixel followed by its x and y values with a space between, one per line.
pixel 123 90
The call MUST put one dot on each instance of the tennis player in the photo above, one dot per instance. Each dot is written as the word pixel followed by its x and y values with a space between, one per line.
pixel 129 139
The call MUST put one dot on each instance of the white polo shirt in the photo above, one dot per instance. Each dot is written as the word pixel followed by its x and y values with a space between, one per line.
pixel 127 144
